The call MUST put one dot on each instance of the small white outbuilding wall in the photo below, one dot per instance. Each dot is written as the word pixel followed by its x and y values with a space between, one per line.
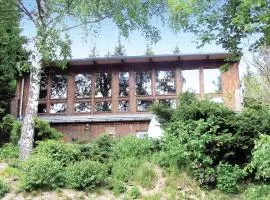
pixel 154 129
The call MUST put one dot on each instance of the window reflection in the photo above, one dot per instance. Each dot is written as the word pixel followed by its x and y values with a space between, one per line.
pixel 143 83
pixel 103 84
pixel 43 86
pixel 217 99
pixel 58 108
pixel 144 105
pixel 59 87
pixel 83 85
pixel 123 84
pixel 42 108
pixel 82 107
pixel 168 102
pixel 165 82
pixel 191 80
pixel 103 106
pixel 212 81
pixel 123 106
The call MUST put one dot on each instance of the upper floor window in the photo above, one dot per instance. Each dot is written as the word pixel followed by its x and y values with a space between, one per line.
pixel 83 85
pixel 143 83
pixel 212 81
pixel 123 84
pixel 165 82
pixel 59 87
pixel 191 81
pixel 103 84
pixel 43 86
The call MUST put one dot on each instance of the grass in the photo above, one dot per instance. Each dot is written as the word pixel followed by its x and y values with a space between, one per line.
pixel 146 175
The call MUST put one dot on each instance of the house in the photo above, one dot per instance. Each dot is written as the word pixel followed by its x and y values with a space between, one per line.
pixel 113 94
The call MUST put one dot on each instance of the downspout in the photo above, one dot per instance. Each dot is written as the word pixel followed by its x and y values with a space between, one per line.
pixel 21 100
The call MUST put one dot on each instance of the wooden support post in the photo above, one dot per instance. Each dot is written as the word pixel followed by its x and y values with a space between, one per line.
pixel 201 82
pixel 70 92
pixel 132 91
pixel 49 90
pixel 115 91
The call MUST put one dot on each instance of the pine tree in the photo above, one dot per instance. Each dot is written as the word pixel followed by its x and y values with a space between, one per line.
pixel 119 50
pixel 176 50
pixel 94 53
pixel 149 50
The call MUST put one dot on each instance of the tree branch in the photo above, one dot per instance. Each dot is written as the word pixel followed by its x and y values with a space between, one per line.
pixel 23 9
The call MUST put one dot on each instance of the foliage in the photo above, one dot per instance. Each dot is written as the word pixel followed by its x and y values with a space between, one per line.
pixel 118 187
pixel 145 175
pixel 65 153
pixel 119 50
pixel 134 193
pixel 124 169
pixel 176 50
pixel 43 131
pixel 163 111
pixel 228 177
pixel 260 162
pixel 85 175
pixel 9 151
pixel 131 146
pixel 261 192
pixel 149 51
pixel 3 188
pixel 42 172
pixel 6 126
pixel 228 22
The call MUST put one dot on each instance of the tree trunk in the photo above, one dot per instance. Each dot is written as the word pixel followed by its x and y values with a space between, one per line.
pixel 27 133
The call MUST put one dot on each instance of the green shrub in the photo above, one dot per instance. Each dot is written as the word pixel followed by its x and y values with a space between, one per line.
pixel 3 188
pixel 42 172
pixel 6 127
pixel 86 175
pixel 118 187
pixel 134 193
pixel 9 151
pixel 258 192
pixel 99 150
pixel 66 153
pixel 164 112
pixel 146 175
pixel 131 146
pixel 260 162
pixel 124 169
pixel 228 176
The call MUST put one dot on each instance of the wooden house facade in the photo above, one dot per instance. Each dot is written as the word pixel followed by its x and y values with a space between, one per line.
pixel 112 95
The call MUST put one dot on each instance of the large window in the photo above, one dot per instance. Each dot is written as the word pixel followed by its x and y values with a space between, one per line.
pixel 191 80
pixel 83 83
pixel 165 82
pixel 59 87
pixel 82 107
pixel 57 108
pixel 43 86
pixel 123 84
pixel 143 83
pixel 103 106
pixel 144 105
pixel 103 84
pixel 212 81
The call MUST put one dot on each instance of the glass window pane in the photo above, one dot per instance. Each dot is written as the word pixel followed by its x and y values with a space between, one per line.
pixel 191 80
pixel 165 82
pixel 83 85
pixel 217 99
pixel 59 87
pixel 103 106
pixel 212 81
pixel 169 102
pixel 123 106
pixel 43 86
pixel 144 105
pixel 123 84
pixel 42 108
pixel 143 83
pixel 82 107
pixel 103 84
pixel 58 108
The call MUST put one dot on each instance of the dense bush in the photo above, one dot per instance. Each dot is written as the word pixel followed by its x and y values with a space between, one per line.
pixel 228 177
pixel 86 175
pixel 260 192
pixel 65 153
pixel 134 193
pixel 260 162
pixel 42 172
pixel 202 134
pixel 9 151
pixel 164 111
pixel 131 146
pixel 124 169
pixel 118 187
pixel 99 150
pixel 3 188
pixel 6 127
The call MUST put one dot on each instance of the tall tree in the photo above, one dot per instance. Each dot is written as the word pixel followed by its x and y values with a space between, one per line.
pixel 119 50
pixel 12 53
pixel 53 18
pixel 227 23
pixel 94 53
pixel 149 50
